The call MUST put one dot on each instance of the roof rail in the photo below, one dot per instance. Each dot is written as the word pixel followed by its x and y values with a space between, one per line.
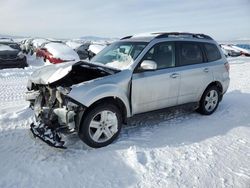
pixel 127 37
pixel 176 34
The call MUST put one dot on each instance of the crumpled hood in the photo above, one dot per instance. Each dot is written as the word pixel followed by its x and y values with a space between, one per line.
pixel 51 73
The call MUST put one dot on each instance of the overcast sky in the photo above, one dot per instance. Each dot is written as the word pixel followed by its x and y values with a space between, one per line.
pixel 222 19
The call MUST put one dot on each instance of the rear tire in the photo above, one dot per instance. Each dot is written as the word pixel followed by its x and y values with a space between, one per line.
pixel 101 125
pixel 209 101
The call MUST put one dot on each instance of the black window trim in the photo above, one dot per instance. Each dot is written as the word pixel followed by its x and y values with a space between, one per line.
pixel 178 52
pixel 137 70
pixel 206 54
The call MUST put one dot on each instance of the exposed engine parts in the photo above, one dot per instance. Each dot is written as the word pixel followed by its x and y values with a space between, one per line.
pixel 53 114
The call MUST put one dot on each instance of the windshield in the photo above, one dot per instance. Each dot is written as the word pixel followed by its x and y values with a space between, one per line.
pixel 119 55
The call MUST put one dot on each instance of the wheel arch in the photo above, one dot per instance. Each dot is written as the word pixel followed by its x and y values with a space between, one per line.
pixel 218 85
pixel 119 103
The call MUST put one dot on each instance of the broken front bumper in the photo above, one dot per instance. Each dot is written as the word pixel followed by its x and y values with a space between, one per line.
pixel 54 115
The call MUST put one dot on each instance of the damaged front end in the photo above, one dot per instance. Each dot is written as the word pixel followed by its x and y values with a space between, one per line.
pixel 55 114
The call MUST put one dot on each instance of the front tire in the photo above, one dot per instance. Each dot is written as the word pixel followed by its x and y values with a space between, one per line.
pixel 101 125
pixel 209 101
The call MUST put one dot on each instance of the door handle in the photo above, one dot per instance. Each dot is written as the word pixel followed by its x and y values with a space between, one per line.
pixel 206 70
pixel 174 75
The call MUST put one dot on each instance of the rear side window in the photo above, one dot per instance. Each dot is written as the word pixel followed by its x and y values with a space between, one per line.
pixel 190 53
pixel 212 51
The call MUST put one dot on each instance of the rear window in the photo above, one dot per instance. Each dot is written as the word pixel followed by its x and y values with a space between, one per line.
pixel 190 53
pixel 212 51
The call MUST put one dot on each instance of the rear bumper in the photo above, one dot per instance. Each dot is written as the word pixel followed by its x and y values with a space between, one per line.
pixel 225 85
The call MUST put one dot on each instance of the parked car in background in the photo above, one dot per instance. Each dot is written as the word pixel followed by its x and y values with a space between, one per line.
pixel 36 43
pixel 230 51
pixel 11 56
pixel 225 52
pixel 243 51
pixel 26 45
pixel 135 75
pixel 57 52
pixel 11 44
pixel 87 49
pixel 95 49
pixel 83 50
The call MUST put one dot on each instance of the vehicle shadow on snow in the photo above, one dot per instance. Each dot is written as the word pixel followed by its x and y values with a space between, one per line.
pixel 178 127
pixel 175 126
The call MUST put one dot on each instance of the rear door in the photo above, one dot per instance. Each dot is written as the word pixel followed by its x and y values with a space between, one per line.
pixel 152 90
pixel 195 71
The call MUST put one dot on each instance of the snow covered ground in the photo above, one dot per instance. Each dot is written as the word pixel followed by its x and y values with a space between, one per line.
pixel 177 148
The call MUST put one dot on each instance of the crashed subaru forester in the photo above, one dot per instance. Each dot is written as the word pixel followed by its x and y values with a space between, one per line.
pixel 134 75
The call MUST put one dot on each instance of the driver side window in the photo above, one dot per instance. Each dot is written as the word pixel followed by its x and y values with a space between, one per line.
pixel 163 54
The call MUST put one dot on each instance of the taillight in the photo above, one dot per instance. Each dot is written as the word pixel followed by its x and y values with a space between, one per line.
pixel 57 60
pixel 227 66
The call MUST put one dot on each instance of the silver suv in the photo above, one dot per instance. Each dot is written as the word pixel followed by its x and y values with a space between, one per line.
pixel 137 74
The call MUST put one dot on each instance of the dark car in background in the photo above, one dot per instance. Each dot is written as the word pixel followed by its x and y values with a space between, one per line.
pixel 11 55
pixel 89 49
pixel 82 50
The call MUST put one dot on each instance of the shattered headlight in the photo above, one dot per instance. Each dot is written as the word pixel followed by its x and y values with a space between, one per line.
pixel 63 90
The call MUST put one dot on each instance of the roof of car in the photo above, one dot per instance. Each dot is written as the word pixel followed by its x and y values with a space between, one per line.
pixel 147 37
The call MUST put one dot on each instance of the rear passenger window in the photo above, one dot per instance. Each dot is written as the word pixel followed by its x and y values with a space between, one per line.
pixel 212 51
pixel 190 53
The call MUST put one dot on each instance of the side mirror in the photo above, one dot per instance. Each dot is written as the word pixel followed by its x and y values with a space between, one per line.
pixel 148 65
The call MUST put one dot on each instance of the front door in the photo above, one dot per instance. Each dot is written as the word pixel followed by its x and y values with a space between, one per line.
pixel 156 89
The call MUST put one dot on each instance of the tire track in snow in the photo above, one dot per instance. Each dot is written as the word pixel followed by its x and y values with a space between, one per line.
pixel 12 93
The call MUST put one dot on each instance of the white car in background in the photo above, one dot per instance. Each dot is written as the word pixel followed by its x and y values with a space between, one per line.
pixel 36 43
pixel 228 50
pixel 242 50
